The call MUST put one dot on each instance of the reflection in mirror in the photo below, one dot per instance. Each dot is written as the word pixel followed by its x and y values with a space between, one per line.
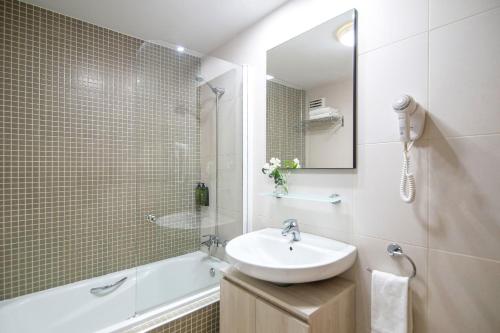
pixel 311 96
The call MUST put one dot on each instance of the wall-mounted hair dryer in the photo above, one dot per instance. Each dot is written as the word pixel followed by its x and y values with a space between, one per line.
pixel 411 126
pixel 411 118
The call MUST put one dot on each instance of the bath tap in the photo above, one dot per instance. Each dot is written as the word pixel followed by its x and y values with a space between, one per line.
pixel 213 240
pixel 209 242
pixel 291 226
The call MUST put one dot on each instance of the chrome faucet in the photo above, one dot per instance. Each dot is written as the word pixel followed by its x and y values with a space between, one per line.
pixel 213 241
pixel 209 242
pixel 291 226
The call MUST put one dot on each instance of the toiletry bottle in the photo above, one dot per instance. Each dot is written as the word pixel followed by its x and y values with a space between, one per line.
pixel 205 200
pixel 198 194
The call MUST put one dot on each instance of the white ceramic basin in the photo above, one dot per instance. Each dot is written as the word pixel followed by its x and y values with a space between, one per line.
pixel 267 255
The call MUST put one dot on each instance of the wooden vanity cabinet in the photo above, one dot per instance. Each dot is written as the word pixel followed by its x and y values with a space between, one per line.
pixel 249 305
pixel 237 309
pixel 270 319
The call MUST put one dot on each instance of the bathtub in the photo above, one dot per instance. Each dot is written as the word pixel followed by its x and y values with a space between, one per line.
pixel 148 292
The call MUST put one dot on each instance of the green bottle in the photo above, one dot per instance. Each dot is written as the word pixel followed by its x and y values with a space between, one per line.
pixel 198 194
pixel 205 200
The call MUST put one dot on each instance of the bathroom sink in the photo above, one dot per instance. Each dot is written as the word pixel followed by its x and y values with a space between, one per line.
pixel 269 256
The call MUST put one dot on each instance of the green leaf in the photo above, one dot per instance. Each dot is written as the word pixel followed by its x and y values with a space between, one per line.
pixel 289 164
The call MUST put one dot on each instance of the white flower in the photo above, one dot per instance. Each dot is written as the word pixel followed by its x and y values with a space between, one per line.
pixel 297 162
pixel 275 161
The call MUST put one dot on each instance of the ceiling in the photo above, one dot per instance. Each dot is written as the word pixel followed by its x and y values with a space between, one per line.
pixel 199 25
pixel 314 58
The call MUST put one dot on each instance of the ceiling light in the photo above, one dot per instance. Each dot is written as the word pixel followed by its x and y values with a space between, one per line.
pixel 180 49
pixel 345 34
pixel 269 77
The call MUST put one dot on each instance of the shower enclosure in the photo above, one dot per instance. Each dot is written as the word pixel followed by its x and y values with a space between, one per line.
pixel 105 138
pixel 199 140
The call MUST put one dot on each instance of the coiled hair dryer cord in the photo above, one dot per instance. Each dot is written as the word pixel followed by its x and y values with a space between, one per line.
pixel 407 185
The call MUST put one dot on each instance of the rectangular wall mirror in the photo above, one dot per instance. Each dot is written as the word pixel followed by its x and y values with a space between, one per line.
pixel 311 96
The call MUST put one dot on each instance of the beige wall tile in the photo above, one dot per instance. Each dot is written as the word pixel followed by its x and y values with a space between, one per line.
pixel 388 66
pixel 464 214
pixel 386 21
pixel 464 81
pixel 384 75
pixel 442 12
pixel 463 294
pixel 261 222
pixel 372 254
pixel 315 214
pixel 379 210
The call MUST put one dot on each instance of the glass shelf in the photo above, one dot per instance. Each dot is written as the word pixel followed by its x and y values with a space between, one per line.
pixel 334 198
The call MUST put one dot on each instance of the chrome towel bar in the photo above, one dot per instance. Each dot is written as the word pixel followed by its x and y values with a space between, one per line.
pixel 99 290
pixel 396 250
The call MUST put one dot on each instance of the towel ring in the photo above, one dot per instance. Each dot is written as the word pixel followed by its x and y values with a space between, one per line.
pixel 396 250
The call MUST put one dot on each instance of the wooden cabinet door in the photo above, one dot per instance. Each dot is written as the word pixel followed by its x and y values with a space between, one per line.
pixel 237 309
pixel 272 320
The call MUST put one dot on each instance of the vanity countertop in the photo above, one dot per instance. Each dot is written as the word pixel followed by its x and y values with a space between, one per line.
pixel 305 301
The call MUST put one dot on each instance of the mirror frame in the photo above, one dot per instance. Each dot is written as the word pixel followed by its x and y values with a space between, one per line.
pixel 354 89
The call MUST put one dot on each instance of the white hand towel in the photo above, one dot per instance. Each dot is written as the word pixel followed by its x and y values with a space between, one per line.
pixel 391 304
pixel 318 111
pixel 321 116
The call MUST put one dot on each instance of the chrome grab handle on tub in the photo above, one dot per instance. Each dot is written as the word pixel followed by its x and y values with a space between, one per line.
pixel 99 290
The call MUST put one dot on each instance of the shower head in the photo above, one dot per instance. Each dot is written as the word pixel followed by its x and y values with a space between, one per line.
pixel 216 90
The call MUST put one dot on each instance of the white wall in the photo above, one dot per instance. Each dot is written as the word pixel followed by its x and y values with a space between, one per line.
pixel 445 54
pixel 325 146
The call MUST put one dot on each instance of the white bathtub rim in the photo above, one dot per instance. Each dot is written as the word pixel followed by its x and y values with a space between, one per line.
pixel 125 272
pixel 204 298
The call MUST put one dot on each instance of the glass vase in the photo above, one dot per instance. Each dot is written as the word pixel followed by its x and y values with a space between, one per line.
pixel 280 189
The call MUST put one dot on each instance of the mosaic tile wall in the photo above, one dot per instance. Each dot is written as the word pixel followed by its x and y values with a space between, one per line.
pixel 205 320
pixel 97 129
pixel 285 136
pixel 168 157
